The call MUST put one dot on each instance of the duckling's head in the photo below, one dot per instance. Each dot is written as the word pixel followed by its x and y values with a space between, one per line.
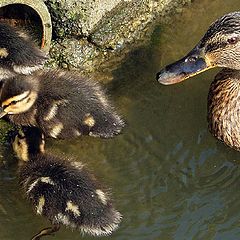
pixel 18 54
pixel 28 142
pixel 220 46
pixel 18 94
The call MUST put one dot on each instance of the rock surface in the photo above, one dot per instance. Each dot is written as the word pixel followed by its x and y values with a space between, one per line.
pixel 88 34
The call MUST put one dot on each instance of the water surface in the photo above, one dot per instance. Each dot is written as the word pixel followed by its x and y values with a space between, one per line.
pixel 169 177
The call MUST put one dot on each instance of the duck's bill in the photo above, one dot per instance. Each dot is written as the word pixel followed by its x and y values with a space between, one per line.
pixel 2 114
pixel 192 64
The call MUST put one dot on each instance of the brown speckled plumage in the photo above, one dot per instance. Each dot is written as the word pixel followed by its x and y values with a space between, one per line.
pixel 224 107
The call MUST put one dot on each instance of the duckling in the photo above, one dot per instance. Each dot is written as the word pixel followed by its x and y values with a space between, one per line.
pixel 219 47
pixel 64 192
pixel 18 55
pixel 62 104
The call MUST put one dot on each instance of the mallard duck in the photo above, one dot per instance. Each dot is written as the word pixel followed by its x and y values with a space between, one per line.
pixel 61 190
pixel 219 47
pixel 18 54
pixel 63 104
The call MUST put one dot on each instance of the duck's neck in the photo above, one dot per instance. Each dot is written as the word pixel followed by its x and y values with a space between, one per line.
pixel 224 107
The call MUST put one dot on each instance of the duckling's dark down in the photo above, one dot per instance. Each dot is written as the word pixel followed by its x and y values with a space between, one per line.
pixel 63 191
pixel 62 104
pixel 220 46
pixel 18 54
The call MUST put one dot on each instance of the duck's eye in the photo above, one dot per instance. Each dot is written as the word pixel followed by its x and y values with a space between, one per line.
pixel 232 40
pixel 13 102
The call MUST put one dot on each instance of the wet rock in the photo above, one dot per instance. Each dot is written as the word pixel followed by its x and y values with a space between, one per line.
pixel 89 34
pixel 76 17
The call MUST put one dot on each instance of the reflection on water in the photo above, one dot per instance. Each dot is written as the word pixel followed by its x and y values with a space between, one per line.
pixel 170 178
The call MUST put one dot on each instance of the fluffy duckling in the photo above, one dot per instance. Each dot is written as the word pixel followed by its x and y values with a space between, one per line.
pixel 62 191
pixel 62 104
pixel 17 53
pixel 219 47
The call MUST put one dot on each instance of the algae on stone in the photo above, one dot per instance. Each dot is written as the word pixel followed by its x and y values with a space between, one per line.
pixel 5 129
pixel 89 34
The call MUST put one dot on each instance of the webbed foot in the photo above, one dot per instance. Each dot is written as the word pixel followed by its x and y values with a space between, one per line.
pixel 45 232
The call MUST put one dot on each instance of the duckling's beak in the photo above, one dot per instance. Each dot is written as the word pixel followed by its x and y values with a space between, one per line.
pixel 193 63
pixel 2 113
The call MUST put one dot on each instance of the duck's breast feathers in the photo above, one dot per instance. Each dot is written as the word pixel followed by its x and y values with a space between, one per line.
pixel 223 107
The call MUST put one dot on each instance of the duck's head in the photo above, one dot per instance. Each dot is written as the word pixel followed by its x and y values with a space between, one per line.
pixel 17 94
pixel 18 54
pixel 219 47
pixel 28 142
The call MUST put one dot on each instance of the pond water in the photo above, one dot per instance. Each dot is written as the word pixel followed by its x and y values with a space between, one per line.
pixel 170 178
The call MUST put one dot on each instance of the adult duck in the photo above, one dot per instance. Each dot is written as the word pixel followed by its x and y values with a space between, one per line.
pixel 219 47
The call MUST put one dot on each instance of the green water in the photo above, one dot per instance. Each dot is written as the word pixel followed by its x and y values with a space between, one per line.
pixel 170 178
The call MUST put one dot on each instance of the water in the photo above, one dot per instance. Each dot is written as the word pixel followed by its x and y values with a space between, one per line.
pixel 169 177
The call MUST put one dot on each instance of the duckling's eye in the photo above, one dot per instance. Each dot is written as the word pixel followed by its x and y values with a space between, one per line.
pixel 232 40
pixel 20 136
pixel 13 102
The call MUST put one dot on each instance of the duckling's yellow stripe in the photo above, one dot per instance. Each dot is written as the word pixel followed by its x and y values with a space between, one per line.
pixel 89 120
pixel 17 98
pixel 40 206
pixel 3 53
pixel 73 208
pixel 102 196
pixel 56 130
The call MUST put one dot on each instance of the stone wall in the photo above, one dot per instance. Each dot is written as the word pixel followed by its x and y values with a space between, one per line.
pixel 88 34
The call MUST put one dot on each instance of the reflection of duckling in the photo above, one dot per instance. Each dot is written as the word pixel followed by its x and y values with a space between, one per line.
pixel 62 104
pixel 62 191
pixel 220 46
pixel 17 53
